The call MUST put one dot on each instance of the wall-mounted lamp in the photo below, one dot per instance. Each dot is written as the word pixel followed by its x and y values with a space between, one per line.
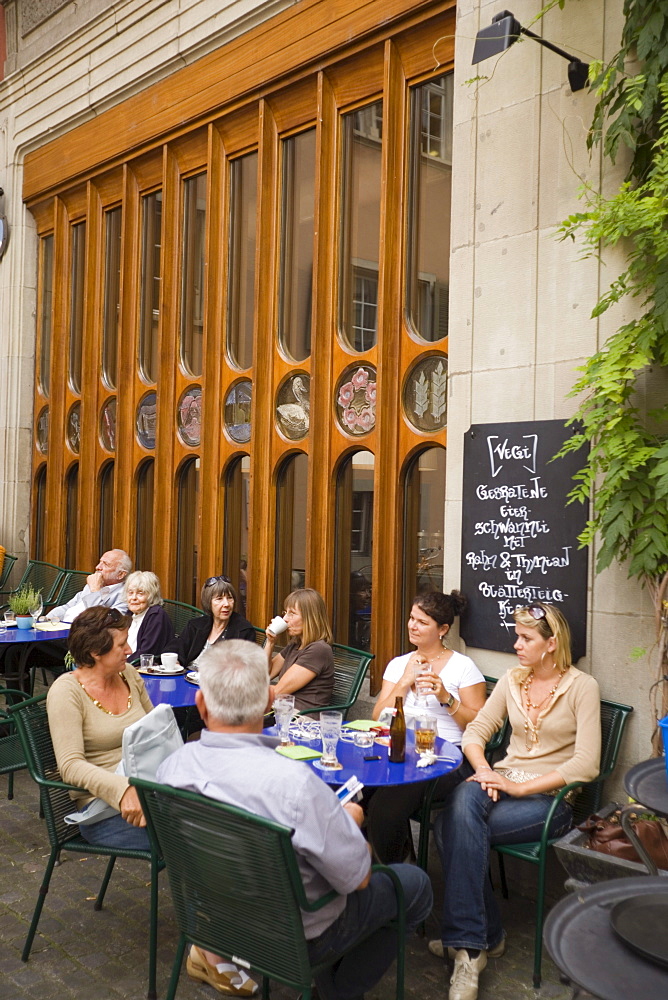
pixel 506 29
pixel 4 231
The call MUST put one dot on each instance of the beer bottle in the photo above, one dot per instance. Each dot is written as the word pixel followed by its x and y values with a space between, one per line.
pixel 398 734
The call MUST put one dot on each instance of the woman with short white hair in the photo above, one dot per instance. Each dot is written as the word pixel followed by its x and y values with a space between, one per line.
pixel 151 629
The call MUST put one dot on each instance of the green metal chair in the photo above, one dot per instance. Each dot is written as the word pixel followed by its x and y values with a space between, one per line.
pixel 180 614
pixel 7 567
pixel 73 581
pixel 33 726
pixel 42 576
pixel 614 717
pixel 236 887
pixel 350 667
pixel 12 757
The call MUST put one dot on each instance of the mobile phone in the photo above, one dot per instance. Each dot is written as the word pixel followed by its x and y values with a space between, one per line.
pixel 376 756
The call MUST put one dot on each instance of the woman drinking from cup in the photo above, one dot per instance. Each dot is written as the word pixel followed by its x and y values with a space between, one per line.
pixel 305 667
pixel 220 622
pixel 555 717
pixel 446 685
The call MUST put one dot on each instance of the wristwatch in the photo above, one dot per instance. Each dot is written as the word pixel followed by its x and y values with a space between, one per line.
pixel 450 702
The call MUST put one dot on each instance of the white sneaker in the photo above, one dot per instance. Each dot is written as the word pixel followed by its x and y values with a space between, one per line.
pixel 464 979
pixel 436 948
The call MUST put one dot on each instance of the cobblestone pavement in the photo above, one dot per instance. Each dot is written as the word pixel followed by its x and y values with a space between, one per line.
pixel 79 954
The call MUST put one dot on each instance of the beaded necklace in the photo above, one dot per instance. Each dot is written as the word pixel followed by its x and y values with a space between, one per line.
pixel 100 706
pixel 531 729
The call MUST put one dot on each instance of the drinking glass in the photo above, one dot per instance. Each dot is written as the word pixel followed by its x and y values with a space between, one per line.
pixel 284 709
pixel 10 618
pixel 330 731
pixel 421 692
pixel 36 609
pixel 425 734
pixel 146 660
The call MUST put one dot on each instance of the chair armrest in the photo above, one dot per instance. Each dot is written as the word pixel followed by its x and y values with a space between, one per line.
pixel 561 794
pixel 343 707
pixel 61 785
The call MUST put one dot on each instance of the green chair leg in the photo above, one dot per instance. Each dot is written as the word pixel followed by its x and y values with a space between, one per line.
pixel 105 882
pixel 502 876
pixel 10 785
pixel 43 889
pixel 265 988
pixel 540 916
pixel 176 968
pixel 153 930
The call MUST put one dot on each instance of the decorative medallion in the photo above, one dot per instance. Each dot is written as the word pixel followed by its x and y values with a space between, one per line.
pixel 356 399
pixel 73 430
pixel 43 430
pixel 293 402
pixel 237 411
pixel 189 416
pixel 425 394
pixel 108 424
pixel 147 412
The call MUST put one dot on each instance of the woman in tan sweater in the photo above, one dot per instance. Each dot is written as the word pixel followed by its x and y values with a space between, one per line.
pixel 89 708
pixel 554 712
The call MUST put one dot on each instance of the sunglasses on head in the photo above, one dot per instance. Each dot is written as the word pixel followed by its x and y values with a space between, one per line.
pixel 113 618
pixel 217 579
pixel 536 611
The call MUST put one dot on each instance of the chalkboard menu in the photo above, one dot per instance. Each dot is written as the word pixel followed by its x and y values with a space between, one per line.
pixel 519 535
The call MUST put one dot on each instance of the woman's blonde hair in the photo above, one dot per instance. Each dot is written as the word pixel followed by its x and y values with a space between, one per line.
pixel 315 622
pixel 550 624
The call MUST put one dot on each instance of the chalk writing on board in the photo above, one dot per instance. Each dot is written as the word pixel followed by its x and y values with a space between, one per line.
pixel 519 535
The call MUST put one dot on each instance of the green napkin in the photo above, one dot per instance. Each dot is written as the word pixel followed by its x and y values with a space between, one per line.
pixel 298 753
pixel 363 725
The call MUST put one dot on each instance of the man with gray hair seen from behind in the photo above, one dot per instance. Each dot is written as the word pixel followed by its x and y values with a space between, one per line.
pixel 104 586
pixel 236 764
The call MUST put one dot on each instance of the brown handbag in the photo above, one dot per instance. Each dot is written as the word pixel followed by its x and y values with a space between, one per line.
pixel 607 836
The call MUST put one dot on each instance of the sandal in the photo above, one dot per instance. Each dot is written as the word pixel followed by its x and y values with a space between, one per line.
pixel 231 980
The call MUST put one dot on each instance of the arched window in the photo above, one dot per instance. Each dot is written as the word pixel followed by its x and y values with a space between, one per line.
pixel 144 521
pixel 45 310
pixel 236 501
pixel 192 273
pixel 39 513
pixel 291 515
pixel 106 508
pixel 186 531
pixel 112 294
pixel 354 550
pixel 297 231
pixel 241 264
pixel 77 283
pixel 424 522
pixel 151 271
pixel 72 516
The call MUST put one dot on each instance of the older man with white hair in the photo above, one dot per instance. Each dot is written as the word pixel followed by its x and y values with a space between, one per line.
pixel 236 764
pixel 103 586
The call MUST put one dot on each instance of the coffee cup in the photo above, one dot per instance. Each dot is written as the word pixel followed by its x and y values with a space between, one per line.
pixel 169 660
pixel 277 625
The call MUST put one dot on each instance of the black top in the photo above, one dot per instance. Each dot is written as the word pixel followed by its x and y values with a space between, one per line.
pixel 155 634
pixel 192 640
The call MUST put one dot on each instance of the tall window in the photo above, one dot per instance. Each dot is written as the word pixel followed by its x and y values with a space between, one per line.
pixel 45 310
pixel 236 486
pixel 241 268
pixel 112 294
pixel 297 233
pixel 291 514
pixel 424 507
pixel 150 285
pixel 39 513
pixel 72 516
pixel 360 226
pixel 144 521
pixel 186 532
pixel 192 273
pixel 77 286
pixel 354 549
pixel 429 208
pixel 106 508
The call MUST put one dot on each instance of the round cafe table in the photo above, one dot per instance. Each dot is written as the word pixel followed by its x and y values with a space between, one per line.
pixel 175 690
pixel 17 644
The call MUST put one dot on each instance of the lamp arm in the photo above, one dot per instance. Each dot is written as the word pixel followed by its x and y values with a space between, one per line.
pixel 549 45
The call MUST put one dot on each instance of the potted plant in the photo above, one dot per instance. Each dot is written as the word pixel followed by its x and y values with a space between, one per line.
pixel 23 603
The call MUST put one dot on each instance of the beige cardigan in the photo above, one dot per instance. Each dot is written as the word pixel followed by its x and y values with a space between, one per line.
pixel 570 727
pixel 88 741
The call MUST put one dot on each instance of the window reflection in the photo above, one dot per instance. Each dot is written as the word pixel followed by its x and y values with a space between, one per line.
pixel 150 285
pixel 186 532
pixel 144 523
pixel 236 502
pixel 360 228
pixel 297 232
pixel 72 516
pixel 112 295
pixel 291 516
pixel 429 208
pixel 106 510
pixel 424 506
pixel 354 550
pixel 77 282
pixel 192 274
pixel 241 267
pixel 45 310
pixel 39 506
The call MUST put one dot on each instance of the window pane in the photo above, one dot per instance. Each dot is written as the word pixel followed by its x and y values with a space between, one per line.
pixel 290 534
pixel 150 285
pixel 112 294
pixel 192 277
pixel 353 550
pixel 241 269
pixel 45 307
pixel 186 533
pixel 360 226
pixel 235 532
pixel 39 502
pixel 77 279
pixel 297 231
pixel 71 517
pixel 144 526
pixel 424 505
pixel 106 540
pixel 429 217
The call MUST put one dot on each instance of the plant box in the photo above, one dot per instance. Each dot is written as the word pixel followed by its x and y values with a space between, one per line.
pixel 586 866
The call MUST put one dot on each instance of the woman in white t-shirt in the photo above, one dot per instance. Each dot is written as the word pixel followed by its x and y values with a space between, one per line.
pixel 455 692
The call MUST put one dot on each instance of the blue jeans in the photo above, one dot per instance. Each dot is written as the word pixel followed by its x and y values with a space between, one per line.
pixel 116 832
pixel 465 829
pixel 365 963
